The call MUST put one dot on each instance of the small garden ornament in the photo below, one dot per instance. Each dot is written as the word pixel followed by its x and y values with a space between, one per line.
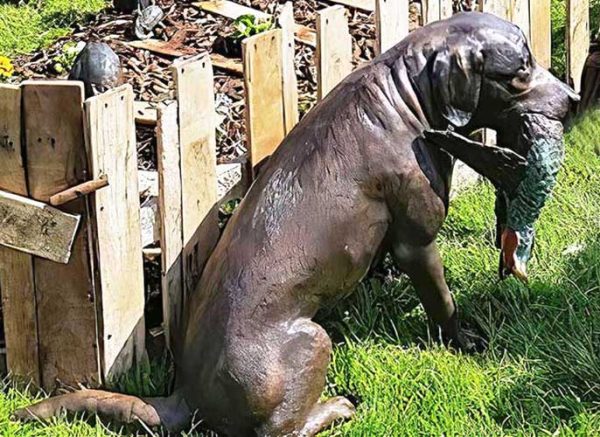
pixel 368 170
pixel 98 67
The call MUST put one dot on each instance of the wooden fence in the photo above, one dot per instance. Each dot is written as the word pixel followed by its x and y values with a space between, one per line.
pixel 83 321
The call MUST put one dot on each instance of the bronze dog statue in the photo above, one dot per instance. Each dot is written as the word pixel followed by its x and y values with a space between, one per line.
pixel 358 175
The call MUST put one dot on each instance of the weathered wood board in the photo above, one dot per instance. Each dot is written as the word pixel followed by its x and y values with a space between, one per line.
pixel 290 82
pixel 541 31
pixel 16 268
pixel 578 40
pixel 233 10
pixel 265 109
pixel 111 148
pixel 36 228
pixel 519 15
pixel 363 5
pixel 197 139
pixel 65 294
pixel 145 113
pixel 334 49
pixel 171 243
pixel 501 8
pixel 391 20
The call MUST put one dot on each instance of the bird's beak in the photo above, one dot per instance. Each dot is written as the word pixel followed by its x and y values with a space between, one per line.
pixel 510 263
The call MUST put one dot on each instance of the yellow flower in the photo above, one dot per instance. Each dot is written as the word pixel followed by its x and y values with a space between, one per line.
pixel 6 68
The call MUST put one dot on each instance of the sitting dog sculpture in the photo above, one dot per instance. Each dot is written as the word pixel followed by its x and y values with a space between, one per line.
pixel 364 171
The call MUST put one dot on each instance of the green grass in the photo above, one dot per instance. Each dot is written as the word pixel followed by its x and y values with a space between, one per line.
pixel 31 25
pixel 541 372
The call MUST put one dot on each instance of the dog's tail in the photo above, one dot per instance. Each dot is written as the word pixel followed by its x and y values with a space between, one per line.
pixel 171 412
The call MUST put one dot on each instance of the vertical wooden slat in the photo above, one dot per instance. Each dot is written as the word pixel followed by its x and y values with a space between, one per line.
pixel 431 11
pixel 391 20
pixel 578 39
pixel 290 82
pixel 16 268
pixel 265 120
pixel 519 15
pixel 169 198
pixel 541 31
pixel 111 149
pixel 445 9
pixel 334 49
pixel 197 138
pixel 501 8
pixel 54 141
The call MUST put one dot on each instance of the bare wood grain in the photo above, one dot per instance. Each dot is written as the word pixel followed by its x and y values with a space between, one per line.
pixel 578 40
pixel 263 78
pixel 16 268
pixel 391 20
pixel 54 142
pixel 36 228
pixel 111 147
pixel 541 31
pixel 197 139
pixel 290 82
pixel 334 49
pixel 171 238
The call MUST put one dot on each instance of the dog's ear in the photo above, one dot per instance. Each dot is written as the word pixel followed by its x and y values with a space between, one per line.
pixel 457 75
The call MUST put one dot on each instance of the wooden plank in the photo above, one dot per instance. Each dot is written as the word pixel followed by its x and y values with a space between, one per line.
pixel 54 142
pixel 197 139
pixel 334 49
pixel 363 5
pixel 519 15
pixel 446 9
pixel 431 11
pixel 290 82
pixel 171 243
pixel 391 20
pixel 263 78
pixel 578 40
pixel 36 228
pixel 501 8
pixel 111 146
pixel 16 268
pixel 232 10
pixel 541 31
pixel 227 64
pixel 145 113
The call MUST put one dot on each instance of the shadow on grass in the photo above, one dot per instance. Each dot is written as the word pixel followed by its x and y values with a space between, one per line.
pixel 552 326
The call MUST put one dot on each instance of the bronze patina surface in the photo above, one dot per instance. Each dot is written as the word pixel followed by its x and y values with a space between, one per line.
pixel 356 177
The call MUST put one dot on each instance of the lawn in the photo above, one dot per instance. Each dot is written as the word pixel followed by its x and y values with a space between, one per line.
pixel 541 372
pixel 33 24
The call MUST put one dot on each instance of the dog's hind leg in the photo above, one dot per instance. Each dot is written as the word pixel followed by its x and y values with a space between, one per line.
pixel 305 355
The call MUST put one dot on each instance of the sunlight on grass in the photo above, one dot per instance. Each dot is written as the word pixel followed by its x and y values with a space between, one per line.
pixel 541 373
pixel 36 24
